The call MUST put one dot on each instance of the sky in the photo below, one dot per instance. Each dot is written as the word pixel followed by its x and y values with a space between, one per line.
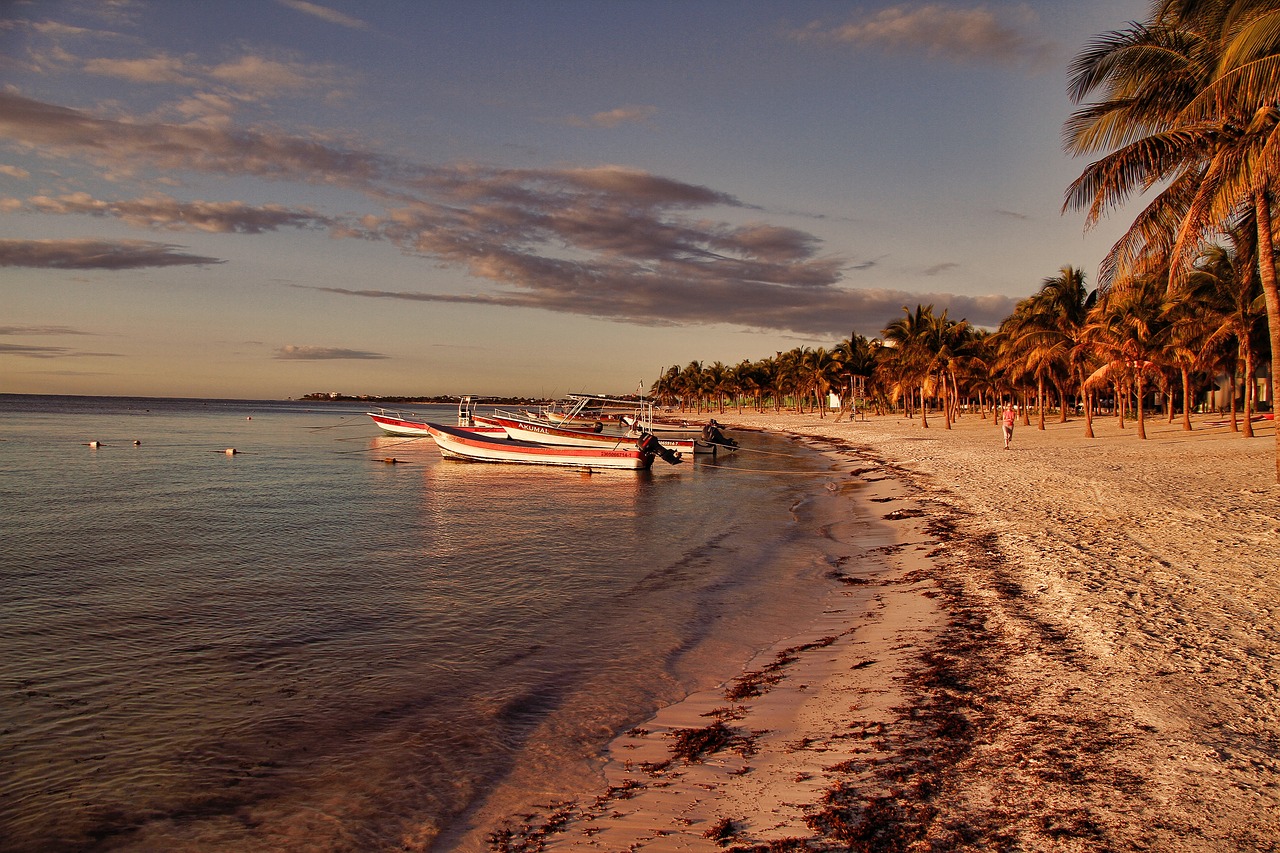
pixel 272 198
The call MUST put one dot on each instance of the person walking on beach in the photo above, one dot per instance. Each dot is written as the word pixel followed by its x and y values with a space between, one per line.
pixel 1009 417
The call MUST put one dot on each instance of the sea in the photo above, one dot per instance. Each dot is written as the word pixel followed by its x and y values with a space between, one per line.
pixel 332 639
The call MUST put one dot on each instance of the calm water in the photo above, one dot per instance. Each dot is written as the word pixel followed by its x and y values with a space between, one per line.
pixel 301 647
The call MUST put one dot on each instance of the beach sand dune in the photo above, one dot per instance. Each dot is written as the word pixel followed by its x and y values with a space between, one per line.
pixel 1070 645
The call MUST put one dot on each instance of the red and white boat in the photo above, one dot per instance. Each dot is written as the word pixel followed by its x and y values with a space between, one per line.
pixel 460 443
pixel 394 423
pixel 397 423
pixel 533 428
pixel 523 429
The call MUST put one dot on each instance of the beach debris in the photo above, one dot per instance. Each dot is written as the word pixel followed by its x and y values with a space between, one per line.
pixel 723 831
pixel 694 744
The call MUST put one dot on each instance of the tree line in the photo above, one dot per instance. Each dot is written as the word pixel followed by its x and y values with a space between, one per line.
pixel 1182 108
pixel 1064 349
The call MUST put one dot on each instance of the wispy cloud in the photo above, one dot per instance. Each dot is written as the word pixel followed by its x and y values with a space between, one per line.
pixel 605 241
pixel 42 351
pixel 95 254
pixel 612 118
pixel 41 330
pixel 310 353
pixel 828 311
pixel 324 13
pixel 975 34
pixel 169 214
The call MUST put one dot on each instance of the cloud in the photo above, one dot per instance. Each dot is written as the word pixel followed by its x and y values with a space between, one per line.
pixel 125 147
pixel 165 213
pixel 257 73
pixel 41 330
pixel 33 351
pixel 828 311
pixel 938 269
pixel 95 254
pixel 325 14
pixel 154 69
pixel 613 118
pixel 40 351
pixel 14 172
pixel 976 34
pixel 605 241
pixel 308 353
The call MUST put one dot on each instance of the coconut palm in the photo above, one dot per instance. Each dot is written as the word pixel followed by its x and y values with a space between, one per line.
pixel 911 361
pixel 1125 332
pixel 1189 102
pixel 1044 331
pixel 1229 298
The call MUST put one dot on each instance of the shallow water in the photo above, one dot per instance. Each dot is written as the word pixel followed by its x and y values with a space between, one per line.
pixel 300 646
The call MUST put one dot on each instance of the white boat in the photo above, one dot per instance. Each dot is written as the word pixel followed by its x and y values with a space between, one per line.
pixel 459 443
pixel 394 423
pixel 530 427
pixel 397 423
pixel 523 429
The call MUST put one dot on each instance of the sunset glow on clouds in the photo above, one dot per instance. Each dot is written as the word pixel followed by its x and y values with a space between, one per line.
pixel 271 153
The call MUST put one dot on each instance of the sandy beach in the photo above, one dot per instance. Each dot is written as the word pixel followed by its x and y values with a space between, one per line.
pixel 1069 645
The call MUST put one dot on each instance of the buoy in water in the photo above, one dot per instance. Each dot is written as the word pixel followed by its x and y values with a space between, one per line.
pixel 230 451
pixel 94 444
pixel 136 443
pixel 390 460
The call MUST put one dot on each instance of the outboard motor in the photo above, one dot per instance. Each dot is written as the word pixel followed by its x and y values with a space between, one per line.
pixel 648 443
pixel 712 433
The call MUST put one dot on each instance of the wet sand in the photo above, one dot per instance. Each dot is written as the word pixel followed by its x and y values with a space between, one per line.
pixel 1069 645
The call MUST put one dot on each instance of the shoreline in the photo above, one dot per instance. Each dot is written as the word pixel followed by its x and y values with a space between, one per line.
pixel 1066 646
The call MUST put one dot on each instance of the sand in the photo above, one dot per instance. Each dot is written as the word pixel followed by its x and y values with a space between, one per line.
pixel 1070 645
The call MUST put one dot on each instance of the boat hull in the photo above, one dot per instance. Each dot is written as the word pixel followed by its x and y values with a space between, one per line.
pixel 545 433
pixel 480 447
pixel 418 429
pixel 399 426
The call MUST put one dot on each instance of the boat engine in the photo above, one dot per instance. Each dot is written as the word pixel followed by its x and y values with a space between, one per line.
pixel 648 443
pixel 714 434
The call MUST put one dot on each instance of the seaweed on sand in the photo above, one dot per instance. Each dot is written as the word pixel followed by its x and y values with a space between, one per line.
pixel 757 682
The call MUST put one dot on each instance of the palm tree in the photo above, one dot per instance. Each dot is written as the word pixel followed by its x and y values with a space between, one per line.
pixel 1189 102
pixel 1229 298
pixel 1044 331
pixel 1124 331
pixel 911 362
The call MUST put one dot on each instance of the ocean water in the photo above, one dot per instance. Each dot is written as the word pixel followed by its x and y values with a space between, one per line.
pixel 303 647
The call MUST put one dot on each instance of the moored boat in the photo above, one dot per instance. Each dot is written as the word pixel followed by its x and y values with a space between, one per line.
pixel 523 429
pixel 396 423
pixel 459 443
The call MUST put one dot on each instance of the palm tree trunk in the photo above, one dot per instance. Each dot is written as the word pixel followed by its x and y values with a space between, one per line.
pixel 1142 421
pixel 1040 399
pixel 1088 412
pixel 1270 289
pixel 1235 424
pixel 946 403
pixel 1249 386
pixel 924 412
pixel 1186 399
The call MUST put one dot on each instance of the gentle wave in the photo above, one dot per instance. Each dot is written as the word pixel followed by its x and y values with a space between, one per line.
pixel 303 647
